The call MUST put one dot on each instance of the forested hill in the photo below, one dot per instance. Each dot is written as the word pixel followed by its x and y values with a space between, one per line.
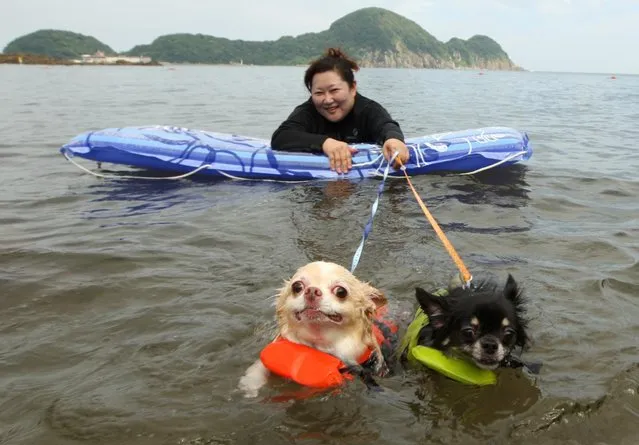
pixel 57 44
pixel 374 36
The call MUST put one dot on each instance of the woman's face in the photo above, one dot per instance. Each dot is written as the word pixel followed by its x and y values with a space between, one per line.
pixel 332 96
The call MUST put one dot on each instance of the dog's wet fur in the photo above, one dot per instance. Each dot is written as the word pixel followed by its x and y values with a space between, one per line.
pixel 486 321
pixel 326 307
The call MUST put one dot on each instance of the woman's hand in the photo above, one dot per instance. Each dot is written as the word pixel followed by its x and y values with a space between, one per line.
pixel 395 145
pixel 339 154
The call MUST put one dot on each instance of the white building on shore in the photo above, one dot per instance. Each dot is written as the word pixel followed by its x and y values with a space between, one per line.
pixel 100 59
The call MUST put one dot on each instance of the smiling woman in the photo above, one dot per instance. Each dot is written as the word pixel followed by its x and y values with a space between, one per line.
pixel 336 115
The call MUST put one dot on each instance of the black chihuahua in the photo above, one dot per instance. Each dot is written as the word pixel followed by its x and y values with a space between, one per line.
pixel 486 322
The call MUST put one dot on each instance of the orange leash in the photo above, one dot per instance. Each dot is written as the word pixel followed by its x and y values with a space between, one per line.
pixel 465 274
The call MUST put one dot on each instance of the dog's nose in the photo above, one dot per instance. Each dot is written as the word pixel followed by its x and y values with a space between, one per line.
pixel 489 345
pixel 312 293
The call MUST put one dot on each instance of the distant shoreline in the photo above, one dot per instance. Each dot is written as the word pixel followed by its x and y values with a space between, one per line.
pixel 37 59
pixel 34 59
pixel 174 65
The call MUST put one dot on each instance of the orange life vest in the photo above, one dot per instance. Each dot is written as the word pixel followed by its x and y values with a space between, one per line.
pixel 313 368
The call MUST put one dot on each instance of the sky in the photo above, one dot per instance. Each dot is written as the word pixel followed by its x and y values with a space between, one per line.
pixel 595 36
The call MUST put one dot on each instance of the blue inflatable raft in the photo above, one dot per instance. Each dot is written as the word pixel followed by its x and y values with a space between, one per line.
pixel 183 150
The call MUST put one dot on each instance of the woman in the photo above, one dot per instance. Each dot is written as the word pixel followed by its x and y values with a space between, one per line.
pixel 337 115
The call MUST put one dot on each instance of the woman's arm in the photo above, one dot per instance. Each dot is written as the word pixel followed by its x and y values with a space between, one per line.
pixel 294 134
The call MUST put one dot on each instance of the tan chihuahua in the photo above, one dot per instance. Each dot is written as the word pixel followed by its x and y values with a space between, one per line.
pixel 326 307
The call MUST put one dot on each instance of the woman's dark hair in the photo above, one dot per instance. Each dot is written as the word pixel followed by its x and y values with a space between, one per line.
pixel 334 59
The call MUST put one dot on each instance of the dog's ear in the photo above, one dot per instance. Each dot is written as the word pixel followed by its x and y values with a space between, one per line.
pixel 511 290
pixel 514 294
pixel 373 301
pixel 376 296
pixel 433 306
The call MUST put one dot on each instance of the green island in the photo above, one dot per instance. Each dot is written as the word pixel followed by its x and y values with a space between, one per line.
pixel 375 37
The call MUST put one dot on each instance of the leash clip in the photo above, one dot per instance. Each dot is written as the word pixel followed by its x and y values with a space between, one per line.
pixel 467 284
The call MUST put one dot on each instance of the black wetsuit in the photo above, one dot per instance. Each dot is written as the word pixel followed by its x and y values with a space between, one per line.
pixel 306 130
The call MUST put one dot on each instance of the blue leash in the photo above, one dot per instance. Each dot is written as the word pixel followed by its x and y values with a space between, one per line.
pixel 369 225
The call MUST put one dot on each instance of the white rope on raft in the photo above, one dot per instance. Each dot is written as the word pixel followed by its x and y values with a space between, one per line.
pixel 101 175
pixel 237 178
pixel 364 164
pixel 488 167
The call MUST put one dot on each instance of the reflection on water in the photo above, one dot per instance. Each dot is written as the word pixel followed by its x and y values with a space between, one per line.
pixel 473 407
pixel 127 198
pixel 131 198
pixel 328 227
pixel 500 188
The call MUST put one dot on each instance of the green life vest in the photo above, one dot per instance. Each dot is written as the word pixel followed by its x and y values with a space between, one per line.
pixel 457 368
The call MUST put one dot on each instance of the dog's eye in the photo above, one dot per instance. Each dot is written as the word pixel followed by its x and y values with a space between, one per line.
pixel 509 336
pixel 297 287
pixel 468 334
pixel 340 292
